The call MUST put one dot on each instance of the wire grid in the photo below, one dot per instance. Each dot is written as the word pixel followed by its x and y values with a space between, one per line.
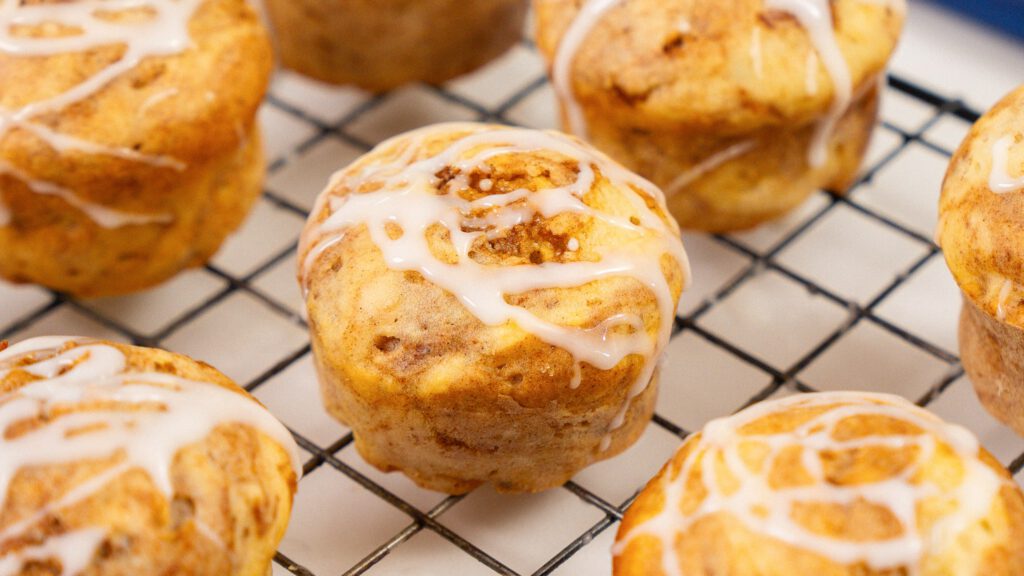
pixel 757 261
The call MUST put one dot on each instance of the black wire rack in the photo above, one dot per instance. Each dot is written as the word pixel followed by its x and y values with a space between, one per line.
pixel 788 379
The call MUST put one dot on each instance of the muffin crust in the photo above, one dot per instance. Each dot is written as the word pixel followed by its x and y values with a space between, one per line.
pixel 123 461
pixel 518 342
pixel 766 83
pixel 981 231
pixel 382 44
pixel 124 163
pixel 837 484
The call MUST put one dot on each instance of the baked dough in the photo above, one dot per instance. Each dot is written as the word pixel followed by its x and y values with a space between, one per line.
pixel 981 231
pixel 382 44
pixel 128 142
pixel 739 110
pixel 488 304
pixel 121 461
pixel 832 484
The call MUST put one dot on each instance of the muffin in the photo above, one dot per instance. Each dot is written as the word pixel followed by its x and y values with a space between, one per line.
pixel 381 44
pixel 488 304
pixel 981 231
pixel 833 484
pixel 128 142
pixel 120 460
pixel 739 110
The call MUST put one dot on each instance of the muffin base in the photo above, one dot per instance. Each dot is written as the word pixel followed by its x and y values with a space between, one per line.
pixel 236 484
pixel 768 179
pixel 370 46
pixel 55 245
pixel 992 353
pixel 453 449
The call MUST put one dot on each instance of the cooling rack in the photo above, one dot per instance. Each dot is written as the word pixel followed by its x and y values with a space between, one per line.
pixel 850 292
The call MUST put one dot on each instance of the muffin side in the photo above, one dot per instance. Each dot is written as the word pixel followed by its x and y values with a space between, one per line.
pixel 487 304
pixel 122 460
pixel 838 484
pixel 383 44
pixel 122 141
pixel 980 231
pixel 785 103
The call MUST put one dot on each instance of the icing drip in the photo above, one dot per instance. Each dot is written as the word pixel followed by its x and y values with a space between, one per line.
pixel 709 164
pixel 169 414
pixel 1004 296
pixel 999 180
pixel 75 551
pixel 811 79
pixel 154 100
pixel 105 217
pixel 561 73
pixel 405 193
pixel 769 511
pixel 755 53
pixel 816 18
pixel 164 33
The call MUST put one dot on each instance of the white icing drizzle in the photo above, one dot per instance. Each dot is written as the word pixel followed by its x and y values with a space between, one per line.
pixel 708 164
pixel 171 414
pixel 769 511
pixel 815 16
pixel 999 180
pixel 755 52
pixel 561 73
pixel 406 195
pixel 101 215
pixel 209 533
pixel 165 33
pixel 157 98
pixel 1004 296
pixel 811 70
pixel 75 551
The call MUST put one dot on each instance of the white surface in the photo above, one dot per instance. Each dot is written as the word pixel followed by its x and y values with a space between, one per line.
pixel 958 57
pixel 775 319
pixel 337 523
pixel 907 190
pixel 521 531
pixel 830 254
pixel 148 312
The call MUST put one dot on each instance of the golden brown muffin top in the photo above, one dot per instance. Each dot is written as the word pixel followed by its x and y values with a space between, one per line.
pixel 837 484
pixel 515 224
pixel 77 416
pixel 981 212
pixel 116 91
pixel 726 65
pixel 172 79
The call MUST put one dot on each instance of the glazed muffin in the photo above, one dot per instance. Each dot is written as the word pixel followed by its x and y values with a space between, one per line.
pixel 123 461
pixel 488 304
pixel 981 231
pixel 738 110
pixel 381 44
pixel 833 484
pixel 128 143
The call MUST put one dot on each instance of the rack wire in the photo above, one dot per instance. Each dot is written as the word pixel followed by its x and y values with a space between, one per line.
pixel 781 379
